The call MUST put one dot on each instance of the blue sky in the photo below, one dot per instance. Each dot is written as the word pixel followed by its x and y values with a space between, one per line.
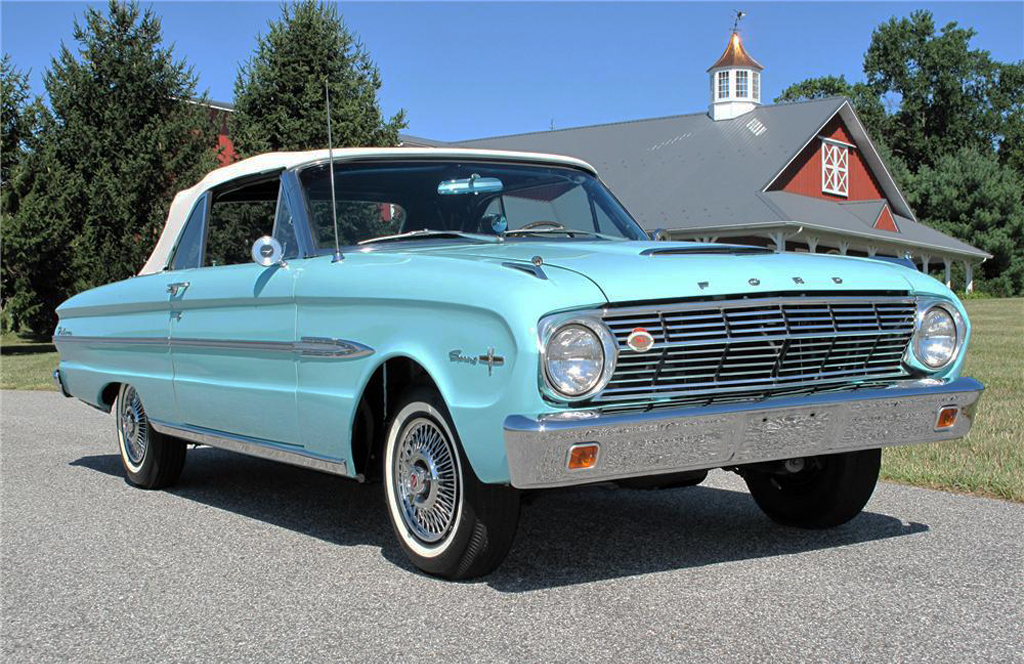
pixel 465 70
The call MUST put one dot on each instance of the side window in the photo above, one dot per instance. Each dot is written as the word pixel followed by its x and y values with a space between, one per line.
pixel 190 245
pixel 239 215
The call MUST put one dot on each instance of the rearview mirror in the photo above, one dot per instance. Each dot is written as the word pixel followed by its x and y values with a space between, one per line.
pixel 267 251
pixel 474 184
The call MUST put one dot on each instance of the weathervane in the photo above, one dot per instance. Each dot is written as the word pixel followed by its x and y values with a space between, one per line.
pixel 739 16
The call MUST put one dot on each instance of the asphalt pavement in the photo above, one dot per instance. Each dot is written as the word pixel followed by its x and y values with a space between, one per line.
pixel 247 560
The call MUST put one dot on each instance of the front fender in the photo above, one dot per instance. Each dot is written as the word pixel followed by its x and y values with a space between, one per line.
pixel 447 318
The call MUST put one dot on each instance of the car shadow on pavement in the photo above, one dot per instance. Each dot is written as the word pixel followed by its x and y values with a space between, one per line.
pixel 565 537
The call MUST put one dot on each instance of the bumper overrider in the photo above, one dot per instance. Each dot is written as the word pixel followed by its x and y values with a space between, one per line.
pixel 666 441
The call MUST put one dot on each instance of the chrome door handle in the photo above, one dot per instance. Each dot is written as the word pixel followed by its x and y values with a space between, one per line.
pixel 176 286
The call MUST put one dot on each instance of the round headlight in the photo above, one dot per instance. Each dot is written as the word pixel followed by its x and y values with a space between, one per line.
pixel 574 359
pixel 935 341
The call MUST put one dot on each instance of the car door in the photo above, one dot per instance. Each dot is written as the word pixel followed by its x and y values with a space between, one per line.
pixel 233 321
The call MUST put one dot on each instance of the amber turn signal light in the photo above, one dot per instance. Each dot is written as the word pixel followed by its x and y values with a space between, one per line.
pixel 947 417
pixel 583 456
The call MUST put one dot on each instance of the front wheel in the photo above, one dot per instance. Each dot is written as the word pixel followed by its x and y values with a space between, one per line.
pixel 815 492
pixel 449 523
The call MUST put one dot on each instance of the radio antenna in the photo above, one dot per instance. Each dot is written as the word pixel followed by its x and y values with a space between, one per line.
pixel 330 157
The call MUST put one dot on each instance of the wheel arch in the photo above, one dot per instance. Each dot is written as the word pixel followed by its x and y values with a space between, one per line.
pixel 392 376
pixel 108 394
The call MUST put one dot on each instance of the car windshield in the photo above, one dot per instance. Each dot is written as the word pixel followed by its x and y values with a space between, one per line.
pixel 462 200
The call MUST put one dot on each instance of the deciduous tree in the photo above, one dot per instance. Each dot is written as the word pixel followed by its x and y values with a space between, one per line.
pixel 949 121
pixel 868 105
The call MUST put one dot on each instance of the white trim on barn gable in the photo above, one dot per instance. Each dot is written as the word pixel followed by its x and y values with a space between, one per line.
pixel 867 149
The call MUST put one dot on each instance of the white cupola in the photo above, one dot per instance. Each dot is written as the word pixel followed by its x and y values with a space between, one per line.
pixel 735 82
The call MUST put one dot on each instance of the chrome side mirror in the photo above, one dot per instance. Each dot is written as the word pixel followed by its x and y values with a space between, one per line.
pixel 267 251
pixel 659 235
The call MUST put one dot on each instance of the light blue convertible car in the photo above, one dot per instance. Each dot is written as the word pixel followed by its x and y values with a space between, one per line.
pixel 466 325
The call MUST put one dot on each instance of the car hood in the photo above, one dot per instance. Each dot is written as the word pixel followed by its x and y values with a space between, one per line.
pixel 632 271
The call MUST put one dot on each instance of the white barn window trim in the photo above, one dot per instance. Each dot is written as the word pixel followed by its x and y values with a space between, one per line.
pixel 723 84
pixel 742 90
pixel 756 85
pixel 835 168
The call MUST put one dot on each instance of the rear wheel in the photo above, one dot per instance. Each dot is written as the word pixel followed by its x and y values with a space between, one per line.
pixel 815 492
pixel 449 523
pixel 150 459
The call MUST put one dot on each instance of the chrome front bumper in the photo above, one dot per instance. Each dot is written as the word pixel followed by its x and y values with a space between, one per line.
pixel 733 434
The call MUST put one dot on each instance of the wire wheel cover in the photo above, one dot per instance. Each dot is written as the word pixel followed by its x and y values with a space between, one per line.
pixel 425 480
pixel 134 426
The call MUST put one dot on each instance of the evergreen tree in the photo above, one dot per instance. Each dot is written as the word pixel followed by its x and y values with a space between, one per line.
pixel 279 92
pixel 13 100
pixel 123 137
pixel 969 194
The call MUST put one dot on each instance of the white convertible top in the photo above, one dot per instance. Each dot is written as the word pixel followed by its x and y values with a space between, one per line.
pixel 183 202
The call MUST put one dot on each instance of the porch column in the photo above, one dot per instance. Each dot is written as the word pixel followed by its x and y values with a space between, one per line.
pixel 969 276
pixel 872 251
pixel 844 246
pixel 925 259
pixel 812 243
pixel 779 238
pixel 949 279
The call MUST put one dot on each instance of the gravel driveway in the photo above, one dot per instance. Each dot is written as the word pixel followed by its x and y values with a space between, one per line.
pixel 248 560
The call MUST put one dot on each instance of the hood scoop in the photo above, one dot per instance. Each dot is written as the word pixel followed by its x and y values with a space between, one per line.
pixel 708 250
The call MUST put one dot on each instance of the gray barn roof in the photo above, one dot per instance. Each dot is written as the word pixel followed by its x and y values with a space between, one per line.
pixel 689 173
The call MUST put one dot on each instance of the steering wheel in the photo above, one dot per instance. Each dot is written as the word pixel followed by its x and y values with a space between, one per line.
pixel 541 223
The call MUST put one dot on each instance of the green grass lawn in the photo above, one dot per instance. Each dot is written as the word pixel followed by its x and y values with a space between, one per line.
pixel 990 461
pixel 26 364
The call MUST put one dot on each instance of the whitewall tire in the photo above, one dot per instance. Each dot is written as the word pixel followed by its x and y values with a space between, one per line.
pixel 150 459
pixel 447 522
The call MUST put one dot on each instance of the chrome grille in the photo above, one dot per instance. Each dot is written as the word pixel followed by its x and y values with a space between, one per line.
pixel 739 349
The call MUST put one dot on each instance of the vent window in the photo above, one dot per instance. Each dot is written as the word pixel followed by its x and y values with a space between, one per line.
pixel 723 85
pixel 756 79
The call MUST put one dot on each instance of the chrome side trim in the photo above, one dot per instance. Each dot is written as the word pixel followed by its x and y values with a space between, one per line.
pixel 328 347
pixel 132 341
pixel 307 346
pixel 257 447
pixel 233 344
pixel 724 435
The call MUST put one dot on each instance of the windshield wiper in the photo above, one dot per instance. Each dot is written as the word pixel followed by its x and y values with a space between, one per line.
pixel 425 233
pixel 560 231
